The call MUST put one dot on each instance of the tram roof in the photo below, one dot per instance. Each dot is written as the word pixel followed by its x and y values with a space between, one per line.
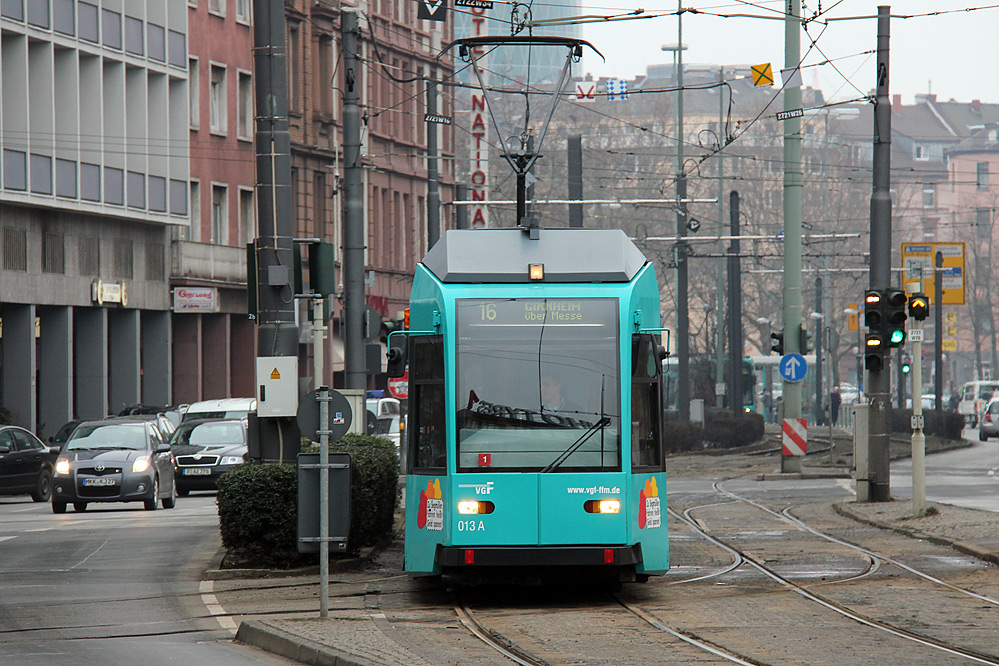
pixel 503 255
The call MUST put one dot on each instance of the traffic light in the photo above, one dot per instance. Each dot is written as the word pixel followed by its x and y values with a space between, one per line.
pixel 777 342
pixel 906 364
pixel 874 320
pixel 398 355
pixel 895 302
pixel 919 306
pixel 804 339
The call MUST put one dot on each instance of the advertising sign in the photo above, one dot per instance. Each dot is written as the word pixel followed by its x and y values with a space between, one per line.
pixel 196 299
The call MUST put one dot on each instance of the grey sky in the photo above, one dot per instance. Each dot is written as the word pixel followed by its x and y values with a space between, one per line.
pixel 951 55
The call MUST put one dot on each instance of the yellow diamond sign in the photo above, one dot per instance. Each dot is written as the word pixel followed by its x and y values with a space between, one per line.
pixel 763 75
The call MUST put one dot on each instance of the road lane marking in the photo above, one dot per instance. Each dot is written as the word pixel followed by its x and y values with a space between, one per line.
pixel 7 538
pixel 215 609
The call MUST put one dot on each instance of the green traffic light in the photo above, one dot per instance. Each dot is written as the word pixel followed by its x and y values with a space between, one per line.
pixel 906 368
pixel 897 336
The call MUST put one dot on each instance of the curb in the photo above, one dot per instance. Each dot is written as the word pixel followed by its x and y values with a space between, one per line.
pixel 276 641
pixel 801 476
pixel 971 549
pixel 216 573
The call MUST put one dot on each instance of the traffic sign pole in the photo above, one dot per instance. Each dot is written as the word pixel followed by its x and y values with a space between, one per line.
pixel 918 439
pixel 323 396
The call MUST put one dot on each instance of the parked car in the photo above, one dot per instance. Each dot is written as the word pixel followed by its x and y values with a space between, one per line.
pixel 225 408
pixel 163 422
pixel 63 433
pixel 26 464
pixel 988 426
pixel 205 449
pixel 114 460
pixel 974 395
pixel 389 428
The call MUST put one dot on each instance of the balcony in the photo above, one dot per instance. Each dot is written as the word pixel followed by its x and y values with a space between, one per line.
pixel 208 262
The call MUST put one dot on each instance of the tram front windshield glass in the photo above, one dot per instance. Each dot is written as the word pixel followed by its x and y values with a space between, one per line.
pixel 538 385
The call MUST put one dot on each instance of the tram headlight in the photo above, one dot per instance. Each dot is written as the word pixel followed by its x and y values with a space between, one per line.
pixel 472 507
pixel 603 506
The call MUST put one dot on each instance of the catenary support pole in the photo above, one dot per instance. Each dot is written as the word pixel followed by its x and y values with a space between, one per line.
pixel 575 149
pixel 433 185
pixel 719 268
pixel 323 396
pixel 461 214
pixel 879 381
pixel 792 219
pixel 682 315
pixel 735 387
pixel 355 370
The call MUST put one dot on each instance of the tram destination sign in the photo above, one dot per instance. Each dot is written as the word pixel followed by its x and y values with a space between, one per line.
pixel 541 311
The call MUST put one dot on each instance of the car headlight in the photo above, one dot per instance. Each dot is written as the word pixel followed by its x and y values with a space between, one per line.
pixel 232 460
pixel 62 466
pixel 140 465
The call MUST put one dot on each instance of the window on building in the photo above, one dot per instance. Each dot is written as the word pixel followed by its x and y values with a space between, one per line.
pixel 64 16
pixel 53 253
pixel 134 39
pixel 195 234
pixel 216 7
pixel 294 68
pixel 245 110
pixel 121 262
pixel 983 220
pixel 90 256
pixel 247 216
pixel 929 196
pixel 41 174
pixel 324 86
pixel 90 182
pixel 12 9
pixel 38 13
pixel 982 175
pixel 114 186
pixel 66 178
pixel 178 48
pixel 15 169
pixel 217 100
pixel 88 22
pixel 220 213
pixel 157 194
pixel 136 189
pixel 319 203
pixel 178 197
pixel 156 41
pixel 243 11
pixel 194 92
pixel 111 28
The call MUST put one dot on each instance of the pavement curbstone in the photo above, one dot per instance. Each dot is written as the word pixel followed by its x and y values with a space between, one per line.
pixel 276 641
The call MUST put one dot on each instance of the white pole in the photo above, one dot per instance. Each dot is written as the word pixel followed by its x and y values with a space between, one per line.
pixel 918 440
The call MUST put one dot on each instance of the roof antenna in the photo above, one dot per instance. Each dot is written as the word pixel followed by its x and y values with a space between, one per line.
pixel 524 157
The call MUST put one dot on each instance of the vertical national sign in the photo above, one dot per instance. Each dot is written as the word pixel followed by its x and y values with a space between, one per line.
pixel 478 216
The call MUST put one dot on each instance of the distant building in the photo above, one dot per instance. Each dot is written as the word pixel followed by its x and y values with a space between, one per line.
pixel 94 175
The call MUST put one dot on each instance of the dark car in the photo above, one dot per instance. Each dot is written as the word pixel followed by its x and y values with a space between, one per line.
pixel 26 465
pixel 58 439
pixel 205 449
pixel 115 460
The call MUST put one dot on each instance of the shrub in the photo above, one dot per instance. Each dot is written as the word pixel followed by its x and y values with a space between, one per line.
pixel 722 430
pixel 258 504
pixel 948 425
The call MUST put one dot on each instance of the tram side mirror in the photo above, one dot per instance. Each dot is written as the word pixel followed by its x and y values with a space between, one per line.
pixel 397 356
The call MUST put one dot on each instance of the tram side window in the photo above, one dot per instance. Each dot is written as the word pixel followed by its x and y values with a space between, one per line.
pixel 646 405
pixel 427 427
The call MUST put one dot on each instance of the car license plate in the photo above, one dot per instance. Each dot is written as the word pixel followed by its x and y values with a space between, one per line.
pixel 198 471
pixel 101 481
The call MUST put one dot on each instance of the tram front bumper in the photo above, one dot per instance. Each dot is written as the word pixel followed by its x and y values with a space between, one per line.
pixel 538 556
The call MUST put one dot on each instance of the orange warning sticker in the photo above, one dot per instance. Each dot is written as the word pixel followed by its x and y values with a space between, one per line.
pixel 275 374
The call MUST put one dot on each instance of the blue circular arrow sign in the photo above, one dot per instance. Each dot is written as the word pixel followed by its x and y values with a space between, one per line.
pixel 793 367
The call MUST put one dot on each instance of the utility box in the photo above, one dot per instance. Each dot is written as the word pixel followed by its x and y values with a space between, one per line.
pixel 308 502
pixel 861 440
pixel 277 386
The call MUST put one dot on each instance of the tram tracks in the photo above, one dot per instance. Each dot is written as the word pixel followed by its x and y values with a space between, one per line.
pixel 876 560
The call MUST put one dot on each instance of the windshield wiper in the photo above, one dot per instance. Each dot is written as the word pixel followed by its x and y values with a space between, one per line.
pixel 562 457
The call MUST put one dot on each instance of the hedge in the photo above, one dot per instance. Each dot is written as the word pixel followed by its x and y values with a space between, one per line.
pixel 947 425
pixel 721 430
pixel 258 505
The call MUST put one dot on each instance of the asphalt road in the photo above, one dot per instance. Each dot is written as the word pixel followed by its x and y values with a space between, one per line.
pixel 115 585
pixel 965 477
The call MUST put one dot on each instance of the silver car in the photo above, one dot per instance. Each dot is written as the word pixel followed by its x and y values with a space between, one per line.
pixel 988 425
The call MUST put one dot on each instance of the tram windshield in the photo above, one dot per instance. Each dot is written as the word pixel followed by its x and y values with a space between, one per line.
pixel 538 385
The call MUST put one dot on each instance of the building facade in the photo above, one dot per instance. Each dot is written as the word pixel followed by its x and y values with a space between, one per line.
pixel 94 175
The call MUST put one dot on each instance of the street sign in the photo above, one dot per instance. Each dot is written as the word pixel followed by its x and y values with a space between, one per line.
pixel 792 367
pixel 399 386
pixel 948 344
pixel 763 74
pixel 916 334
pixel 918 260
pixel 308 416
pixel 795 437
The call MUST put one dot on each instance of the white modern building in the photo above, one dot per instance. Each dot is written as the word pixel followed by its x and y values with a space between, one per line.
pixel 94 175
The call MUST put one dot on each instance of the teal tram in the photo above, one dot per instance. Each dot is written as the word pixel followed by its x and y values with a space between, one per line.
pixel 535 433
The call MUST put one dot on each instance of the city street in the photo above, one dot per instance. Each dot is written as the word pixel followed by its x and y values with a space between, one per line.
pixel 115 585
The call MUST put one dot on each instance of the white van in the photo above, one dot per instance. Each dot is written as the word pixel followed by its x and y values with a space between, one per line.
pixel 224 408
pixel 974 396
